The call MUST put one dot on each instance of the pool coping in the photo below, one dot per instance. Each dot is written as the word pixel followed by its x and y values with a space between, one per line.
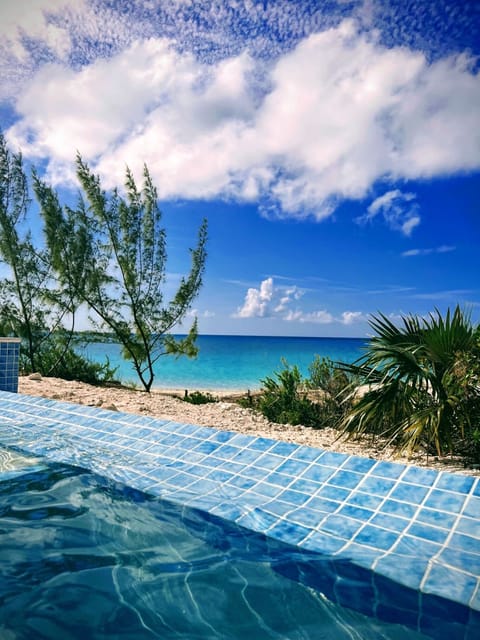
pixel 416 527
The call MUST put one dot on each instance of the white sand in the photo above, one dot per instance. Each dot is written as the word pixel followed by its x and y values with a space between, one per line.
pixel 225 415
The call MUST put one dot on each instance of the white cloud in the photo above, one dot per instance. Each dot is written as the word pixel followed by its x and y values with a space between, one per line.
pixel 316 317
pixel 257 301
pixel 351 317
pixel 341 112
pixel 273 301
pixel 399 210
pixel 30 17
pixel 426 252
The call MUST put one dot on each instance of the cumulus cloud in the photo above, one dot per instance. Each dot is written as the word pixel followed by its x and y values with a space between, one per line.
pixel 272 301
pixel 257 302
pixel 330 118
pixel 399 210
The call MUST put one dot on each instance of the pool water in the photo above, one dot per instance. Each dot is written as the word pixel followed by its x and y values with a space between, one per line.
pixel 82 557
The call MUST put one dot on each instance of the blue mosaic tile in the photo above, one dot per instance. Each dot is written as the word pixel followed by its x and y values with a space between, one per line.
pixel 322 542
pixel 332 459
pixel 306 516
pixel 306 486
pixel 437 518
pixel 395 567
pixel 269 461
pixel 469 526
pixel 397 508
pixel 386 469
pixel 295 498
pixel 323 506
pixel 293 467
pixel 360 499
pixel 241 482
pixel 468 562
pixel 262 444
pixel 268 490
pixel 278 479
pixel 376 485
pixel 306 453
pixel 416 475
pixel 390 522
pixel 345 479
pixel 451 584
pixel 461 541
pixel 340 526
pixel 420 530
pixel 376 537
pixel 279 508
pixel 334 493
pixel 472 507
pixel 416 547
pixel 318 473
pixel 445 501
pixel 284 449
pixel 361 465
pixel 292 533
pixel 451 482
pixel 409 493
pixel 356 512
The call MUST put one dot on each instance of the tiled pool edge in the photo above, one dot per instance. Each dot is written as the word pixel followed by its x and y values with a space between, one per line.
pixel 415 526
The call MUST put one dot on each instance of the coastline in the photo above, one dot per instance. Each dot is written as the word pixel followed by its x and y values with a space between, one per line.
pixel 225 415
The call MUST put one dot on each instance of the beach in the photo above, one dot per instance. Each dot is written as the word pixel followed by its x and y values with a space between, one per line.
pixel 225 415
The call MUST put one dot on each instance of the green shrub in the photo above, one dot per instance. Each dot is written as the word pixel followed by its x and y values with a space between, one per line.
pixel 318 401
pixel 197 397
pixel 284 399
pixel 60 360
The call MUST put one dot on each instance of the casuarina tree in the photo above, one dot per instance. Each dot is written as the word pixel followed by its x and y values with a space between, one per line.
pixel 121 244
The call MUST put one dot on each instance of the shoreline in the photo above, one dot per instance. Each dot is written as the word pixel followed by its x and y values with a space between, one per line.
pixel 225 415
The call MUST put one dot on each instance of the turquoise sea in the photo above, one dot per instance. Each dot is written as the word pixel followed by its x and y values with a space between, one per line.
pixel 231 362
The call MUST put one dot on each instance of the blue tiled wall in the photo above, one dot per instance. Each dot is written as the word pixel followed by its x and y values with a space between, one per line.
pixel 9 356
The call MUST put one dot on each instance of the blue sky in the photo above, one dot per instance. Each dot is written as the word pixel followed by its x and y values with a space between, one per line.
pixel 333 146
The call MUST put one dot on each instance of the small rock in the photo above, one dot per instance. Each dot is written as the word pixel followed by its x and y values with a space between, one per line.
pixel 35 376
pixel 110 407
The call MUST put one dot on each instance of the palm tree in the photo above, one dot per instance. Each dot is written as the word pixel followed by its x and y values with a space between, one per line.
pixel 423 379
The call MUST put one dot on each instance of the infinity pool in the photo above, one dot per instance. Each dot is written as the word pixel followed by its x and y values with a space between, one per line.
pixel 83 557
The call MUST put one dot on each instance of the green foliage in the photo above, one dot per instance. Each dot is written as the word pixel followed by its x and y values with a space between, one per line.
pixel 198 397
pixel 289 398
pixel 424 383
pixel 57 358
pixel 32 306
pixel 283 399
pixel 121 245
pixel 330 386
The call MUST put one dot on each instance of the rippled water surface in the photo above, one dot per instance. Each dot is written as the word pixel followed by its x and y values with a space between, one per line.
pixel 84 558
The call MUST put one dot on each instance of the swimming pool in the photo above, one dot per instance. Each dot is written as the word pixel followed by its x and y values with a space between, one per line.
pixel 393 541
pixel 82 557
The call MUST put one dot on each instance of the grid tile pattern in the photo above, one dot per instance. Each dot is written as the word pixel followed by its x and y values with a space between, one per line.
pixel 9 356
pixel 415 527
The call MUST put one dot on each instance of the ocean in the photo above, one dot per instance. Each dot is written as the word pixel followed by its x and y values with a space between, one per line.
pixel 230 362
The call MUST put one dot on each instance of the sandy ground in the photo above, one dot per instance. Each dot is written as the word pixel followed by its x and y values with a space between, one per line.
pixel 225 414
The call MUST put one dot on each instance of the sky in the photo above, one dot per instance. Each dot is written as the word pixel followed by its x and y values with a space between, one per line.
pixel 333 146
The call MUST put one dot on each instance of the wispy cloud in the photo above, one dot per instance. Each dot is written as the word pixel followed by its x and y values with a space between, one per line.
pixel 448 294
pixel 399 210
pixel 426 252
